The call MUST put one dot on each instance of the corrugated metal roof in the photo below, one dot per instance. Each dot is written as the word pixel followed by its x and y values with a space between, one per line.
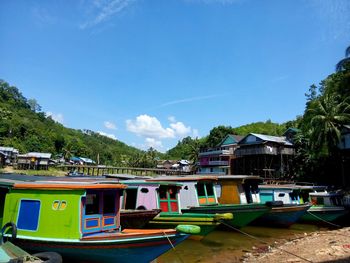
pixel 8 149
pixel 270 138
pixel 36 155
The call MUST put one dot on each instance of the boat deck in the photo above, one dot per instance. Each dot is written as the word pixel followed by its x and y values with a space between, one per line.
pixel 129 233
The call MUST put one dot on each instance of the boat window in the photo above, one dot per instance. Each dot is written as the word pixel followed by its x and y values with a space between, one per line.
pixel 55 204
pixel 281 194
pixel 28 216
pixel 162 193
pixel 294 196
pixel 92 204
pixel 172 192
pixel 210 189
pixel 168 199
pixel 109 203
pixel 63 205
pixel 131 197
pixel 320 201
pixel 200 189
pixel 144 190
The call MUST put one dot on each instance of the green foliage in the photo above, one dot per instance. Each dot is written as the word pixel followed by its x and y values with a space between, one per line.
pixel 327 110
pixel 187 148
pixel 217 134
pixel 25 127
pixel 267 127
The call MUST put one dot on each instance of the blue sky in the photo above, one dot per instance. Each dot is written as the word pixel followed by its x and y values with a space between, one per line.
pixel 150 72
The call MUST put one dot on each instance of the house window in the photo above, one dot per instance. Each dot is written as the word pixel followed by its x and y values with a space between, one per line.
pixel 28 216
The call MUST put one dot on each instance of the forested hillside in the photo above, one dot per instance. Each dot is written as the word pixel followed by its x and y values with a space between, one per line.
pixel 24 126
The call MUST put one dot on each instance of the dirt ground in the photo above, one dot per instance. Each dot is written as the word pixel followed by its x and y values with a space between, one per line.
pixel 322 246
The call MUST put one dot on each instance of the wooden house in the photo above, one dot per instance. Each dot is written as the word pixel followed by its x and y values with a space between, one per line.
pixel 34 161
pixel 8 155
pixel 217 160
pixel 264 155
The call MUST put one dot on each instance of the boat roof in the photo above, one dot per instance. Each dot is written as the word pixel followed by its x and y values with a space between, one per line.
pixel 279 186
pixel 325 194
pixel 143 182
pixel 126 176
pixel 291 186
pixel 66 186
pixel 239 177
pixel 57 182
pixel 184 178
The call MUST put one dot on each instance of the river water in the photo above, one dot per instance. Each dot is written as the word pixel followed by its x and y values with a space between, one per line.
pixel 227 245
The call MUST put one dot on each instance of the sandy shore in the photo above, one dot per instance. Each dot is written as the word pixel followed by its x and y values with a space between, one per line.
pixel 321 246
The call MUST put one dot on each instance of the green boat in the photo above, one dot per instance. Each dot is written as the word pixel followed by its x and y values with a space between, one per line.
pixel 221 194
pixel 78 218
pixel 326 207
pixel 146 195
pixel 323 206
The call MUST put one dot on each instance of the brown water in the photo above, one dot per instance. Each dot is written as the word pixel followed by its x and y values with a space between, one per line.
pixel 226 245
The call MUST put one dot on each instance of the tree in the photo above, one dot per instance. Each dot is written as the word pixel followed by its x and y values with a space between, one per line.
pixel 217 134
pixel 345 61
pixel 34 105
pixel 327 115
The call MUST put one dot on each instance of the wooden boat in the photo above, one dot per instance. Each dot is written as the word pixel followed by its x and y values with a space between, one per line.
pixel 165 196
pixel 200 195
pixel 325 206
pixel 78 218
pixel 286 209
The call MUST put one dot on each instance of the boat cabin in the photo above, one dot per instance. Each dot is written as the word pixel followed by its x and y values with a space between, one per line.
pixel 326 198
pixel 147 195
pixel 62 209
pixel 195 191
pixel 238 189
pixel 288 194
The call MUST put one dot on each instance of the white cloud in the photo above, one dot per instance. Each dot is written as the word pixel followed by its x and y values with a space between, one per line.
pixel 104 10
pixel 151 142
pixel 150 127
pixel 110 125
pixel 180 129
pixel 152 130
pixel 172 119
pixel 109 135
pixel 57 117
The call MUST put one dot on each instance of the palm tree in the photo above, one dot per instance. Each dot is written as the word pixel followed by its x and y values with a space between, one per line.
pixel 327 115
pixel 341 64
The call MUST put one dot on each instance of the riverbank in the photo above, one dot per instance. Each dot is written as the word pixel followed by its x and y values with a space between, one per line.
pixel 320 246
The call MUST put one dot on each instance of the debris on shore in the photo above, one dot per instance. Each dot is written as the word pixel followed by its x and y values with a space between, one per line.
pixel 321 246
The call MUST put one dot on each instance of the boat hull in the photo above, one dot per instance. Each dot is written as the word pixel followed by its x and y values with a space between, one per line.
pixel 282 216
pixel 243 214
pixel 323 213
pixel 129 250
pixel 137 218
pixel 207 223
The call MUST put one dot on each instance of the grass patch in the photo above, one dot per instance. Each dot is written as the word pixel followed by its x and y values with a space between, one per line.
pixel 50 172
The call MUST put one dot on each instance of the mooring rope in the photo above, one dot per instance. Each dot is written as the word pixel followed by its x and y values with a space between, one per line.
pixel 262 241
pixel 319 218
pixel 173 246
